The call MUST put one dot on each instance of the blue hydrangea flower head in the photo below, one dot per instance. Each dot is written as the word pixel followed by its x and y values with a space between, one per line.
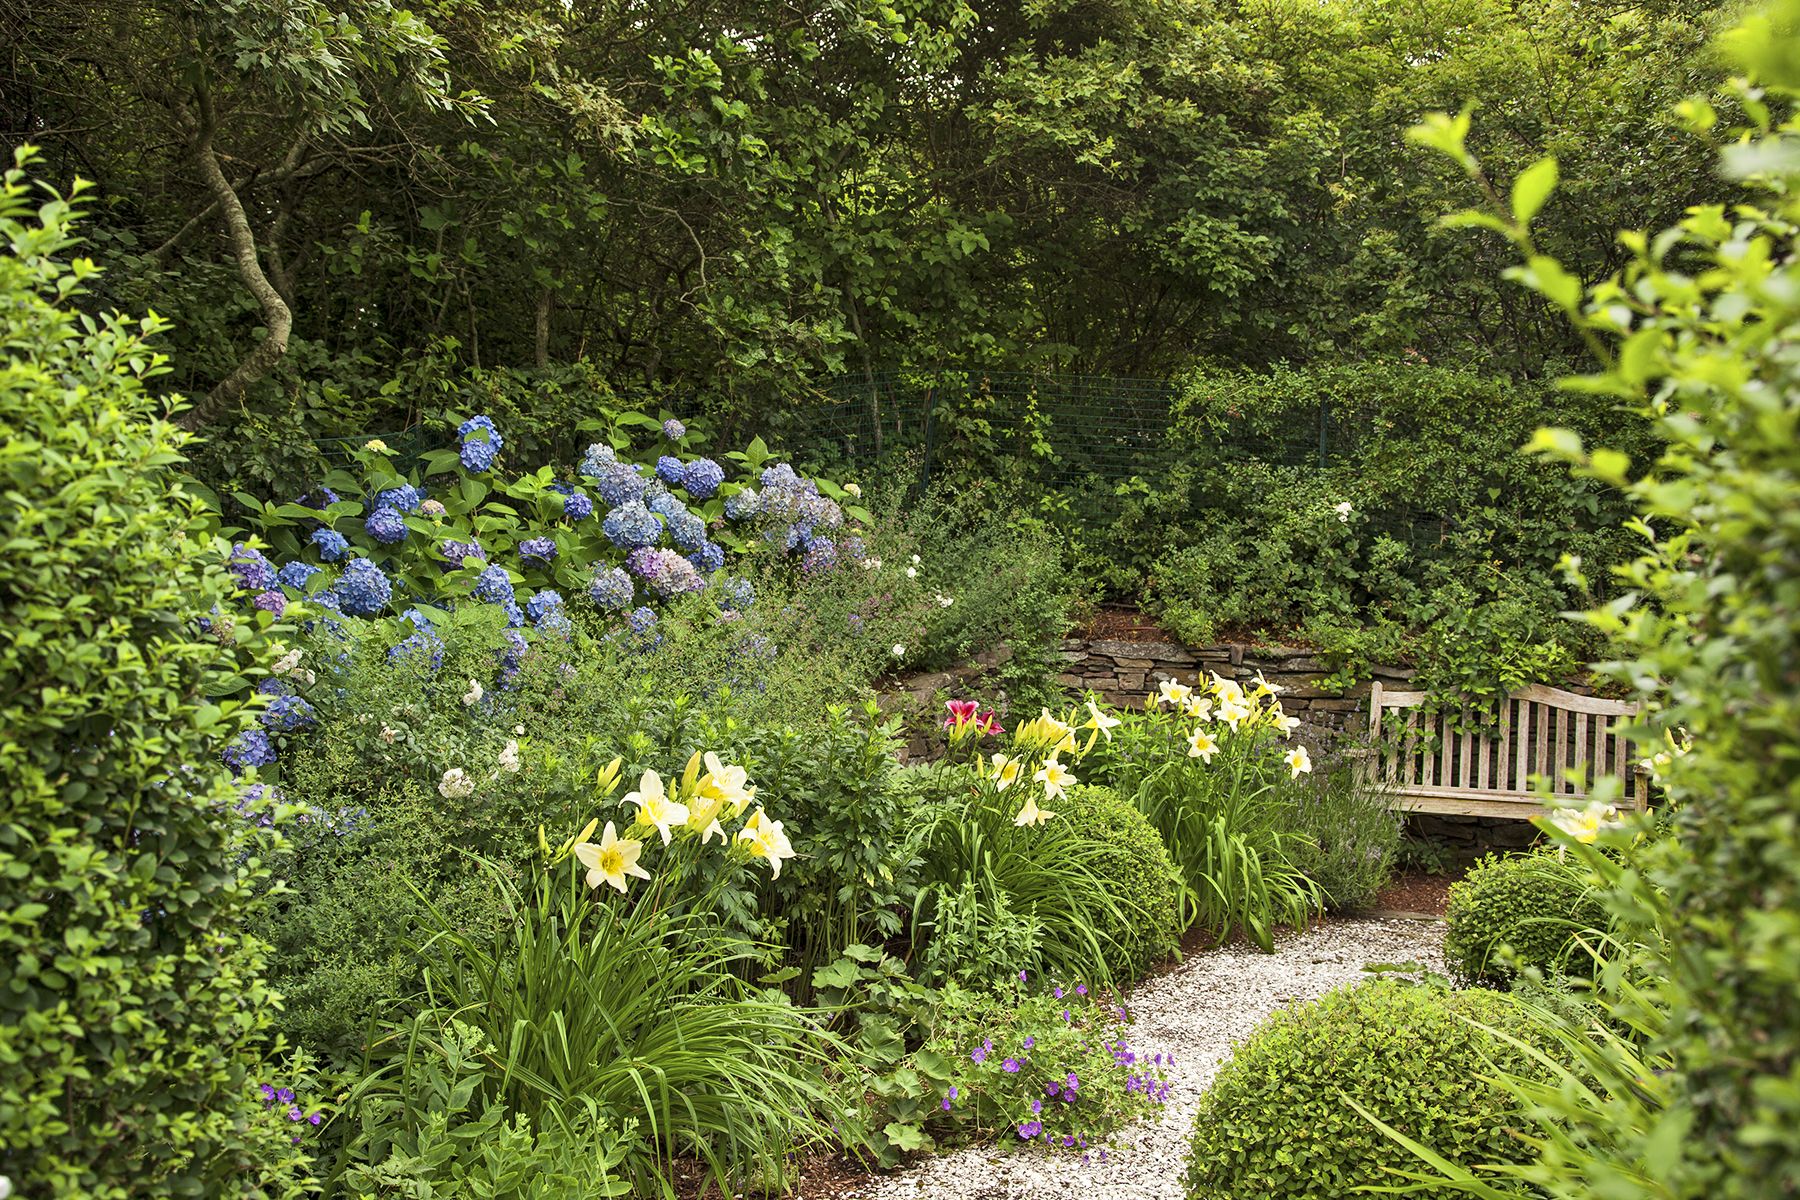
pixel 611 588
pixel 272 602
pixel 546 601
pixel 455 552
pixel 674 430
pixel 737 593
pixel 253 572
pixel 669 469
pixel 577 507
pixel 480 444
pixel 598 457
pixel 780 476
pixel 406 498
pixel 386 526
pixel 821 556
pixel 686 530
pixel 332 545
pixel 742 505
pixel 493 585
pixel 318 498
pixel 702 478
pixel 362 590
pixel 296 574
pixel 250 748
pixel 619 483
pixel 631 524
pixel 642 620
pixel 661 501
pixel 708 557
pixel 538 550
pixel 286 714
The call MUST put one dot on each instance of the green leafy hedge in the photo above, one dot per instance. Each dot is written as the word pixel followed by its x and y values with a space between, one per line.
pixel 1276 1122
pixel 1535 904
pixel 1143 878
pixel 131 1006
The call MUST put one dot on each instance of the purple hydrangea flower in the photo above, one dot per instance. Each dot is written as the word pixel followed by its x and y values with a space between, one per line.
pixel 455 551
pixel 539 550
pixel 543 603
pixel 674 430
pixel 332 545
pixel 272 602
pixel 386 525
pixel 669 469
pixel 362 590
pixel 702 478
pixel 253 572
pixel 611 588
pixel 619 483
pixel 577 507
pixel 820 557
pixel 641 620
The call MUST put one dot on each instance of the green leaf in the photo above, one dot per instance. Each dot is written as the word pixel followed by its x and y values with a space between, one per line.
pixel 1532 188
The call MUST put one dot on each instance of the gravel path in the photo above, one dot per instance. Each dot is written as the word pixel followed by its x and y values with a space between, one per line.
pixel 1197 1011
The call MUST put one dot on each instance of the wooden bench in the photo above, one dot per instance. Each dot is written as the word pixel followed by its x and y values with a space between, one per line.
pixel 1565 738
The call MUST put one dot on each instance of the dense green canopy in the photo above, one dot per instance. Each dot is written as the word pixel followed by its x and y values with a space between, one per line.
pixel 344 205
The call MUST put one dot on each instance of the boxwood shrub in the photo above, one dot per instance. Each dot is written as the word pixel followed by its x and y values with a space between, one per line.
pixel 1275 1122
pixel 1144 878
pixel 1536 904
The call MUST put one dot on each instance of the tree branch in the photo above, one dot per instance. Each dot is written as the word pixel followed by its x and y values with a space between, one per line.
pixel 278 319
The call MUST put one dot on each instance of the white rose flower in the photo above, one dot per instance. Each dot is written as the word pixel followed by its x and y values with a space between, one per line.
pixel 899 650
pixel 509 758
pixel 854 490
pixel 912 572
pixel 473 696
pixel 456 784
pixel 388 734
pixel 1343 510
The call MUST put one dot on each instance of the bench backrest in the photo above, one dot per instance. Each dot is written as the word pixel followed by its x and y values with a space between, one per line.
pixel 1564 737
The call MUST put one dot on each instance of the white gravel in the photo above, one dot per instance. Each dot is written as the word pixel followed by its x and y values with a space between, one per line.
pixel 1197 1011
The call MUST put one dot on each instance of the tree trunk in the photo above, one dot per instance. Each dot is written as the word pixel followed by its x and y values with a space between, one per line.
pixel 278 319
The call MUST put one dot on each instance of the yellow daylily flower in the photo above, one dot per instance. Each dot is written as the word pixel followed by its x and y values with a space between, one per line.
pixel 1585 824
pixel 1055 777
pixel 1202 746
pixel 1227 690
pixel 1233 713
pixel 767 841
pixel 1282 721
pixel 612 860
pixel 1031 814
pixel 1264 687
pixel 1298 761
pixel 1005 771
pixel 1174 694
pixel 1200 708
pixel 655 808
pixel 1044 732
pixel 1099 721
pixel 729 783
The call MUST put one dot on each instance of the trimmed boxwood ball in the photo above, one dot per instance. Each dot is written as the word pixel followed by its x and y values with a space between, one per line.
pixel 1146 883
pixel 1274 1123
pixel 1535 903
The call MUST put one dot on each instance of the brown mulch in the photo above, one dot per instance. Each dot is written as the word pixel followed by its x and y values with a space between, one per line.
pixel 821 1177
pixel 1416 892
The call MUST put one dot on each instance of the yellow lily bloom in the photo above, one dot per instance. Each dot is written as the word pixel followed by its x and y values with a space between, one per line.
pixel 1233 713
pixel 767 841
pixel 1174 694
pixel 1202 746
pixel 1227 690
pixel 655 808
pixel 1264 687
pixel 1099 721
pixel 1031 814
pixel 1005 771
pixel 1055 777
pixel 1044 732
pixel 1298 761
pixel 1282 721
pixel 1585 824
pixel 612 860
pixel 1200 708
pixel 729 783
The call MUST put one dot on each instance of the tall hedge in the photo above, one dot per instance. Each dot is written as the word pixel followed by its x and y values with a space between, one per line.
pixel 131 1007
